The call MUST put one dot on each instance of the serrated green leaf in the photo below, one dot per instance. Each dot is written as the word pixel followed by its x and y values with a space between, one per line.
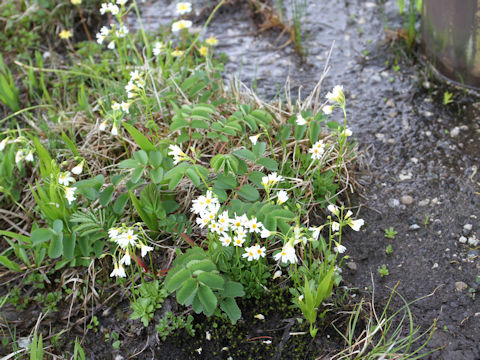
pixel 106 195
pixel 230 307
pixel 233 289
pixel 208 299
pixel 174 282
pixel 269 164
pixel 211 280
pixel 187 292
pixel 248 192
pixel 245 154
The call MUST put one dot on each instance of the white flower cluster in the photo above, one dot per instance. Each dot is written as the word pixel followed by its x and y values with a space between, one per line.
pixel 177 153
pixel 158 47
pixel 234 230
pixel 65 179
pixel 337 97
pixel 105 32
pixel 22 154
pixel 317 150
pixel 127 241
pixel 346 220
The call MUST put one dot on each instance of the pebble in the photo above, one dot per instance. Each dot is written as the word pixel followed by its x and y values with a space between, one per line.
pixel 393 203
pixel 406 200
pixel 435 266
pixel 473 241
pixel 460 285
pixel 390 103
pixel 424 202
pixel 462 239
pixel 467 228
pixel 455 131
pixel 352 266
pixel 405 176
pixel 414 227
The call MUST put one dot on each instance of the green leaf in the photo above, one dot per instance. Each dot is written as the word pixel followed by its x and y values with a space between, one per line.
pixel 217 162
pixel 56 246
pixel 211 280
pixel 69 246
pixel 256 178
pixel 70 144
pixel 175 280
pixel 208 299
pixel 192 175
pixel 269 164
pixel 141 156
pixel 40 236
pixel 128 164
pixel 150 221
pixel 229 305
pixel 245 154
pixel 137 174
pixel 201 264
pixel 139 138
pixel 259 148
pixel 155 158
pixel 106 195
pixel 198 124
pixel 9 264
pixel 248 192
pixel 233 289
pixel 188 291
pixel 156 175
pixel 178 124
pixel 119 204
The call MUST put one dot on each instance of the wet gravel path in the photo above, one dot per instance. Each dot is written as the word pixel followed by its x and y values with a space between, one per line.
pixel 419 169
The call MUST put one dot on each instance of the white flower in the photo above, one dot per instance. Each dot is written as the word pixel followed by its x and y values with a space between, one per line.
pixel 315 232
pixel 19 156
pixel 238 241
pixel 254 226
pixel 103 8
pixel 29 156
pixel 226 240
pixel 104 31
pixel 103 126
pixel 126 239
pixel 239 222
pixel 287 254
pixel 111 45
pixel 121 2
pixel 113 233
pixel 115 106
pixel 347 132
pixel 180 25
pixel 65 178
pixel 70 194
pixel 300 298
pixel 77 170
pixel 277 274
pixel 114 9
pixel 260 251
pixel 208 336
pixel 356 224
pixel 184 8
pixel 203 220
pixel 333 209
pixel 340 248
pixel 265 233
pixel 125 106
pixel 327 109
pixel 177 153
pixel 335 226
pixel 273 178
pixel 336 95
pixel 254 139
pixel 145 249
pixel 3 143
pixel 300 120
pixel 282 197
pixel 126 259
pixel 250 253
pixel 317 150
pixel 259 317
pixel 157 48
pixel 118 271
pixel 135 76
pixel 114 131
pixel 100 38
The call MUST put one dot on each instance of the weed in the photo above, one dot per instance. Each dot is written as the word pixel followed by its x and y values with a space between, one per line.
pixel 390 233
pixel 389 249
pixel 171 323
pixel 383 271
pixel 447 98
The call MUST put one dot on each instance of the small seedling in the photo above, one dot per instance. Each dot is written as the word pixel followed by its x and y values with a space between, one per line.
pixel 472 292
pixel 389 250
pixel 447 98
pixel 383 271
pixel 427 220
pixel 396 68
pixel 390 232
pixel 94 324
